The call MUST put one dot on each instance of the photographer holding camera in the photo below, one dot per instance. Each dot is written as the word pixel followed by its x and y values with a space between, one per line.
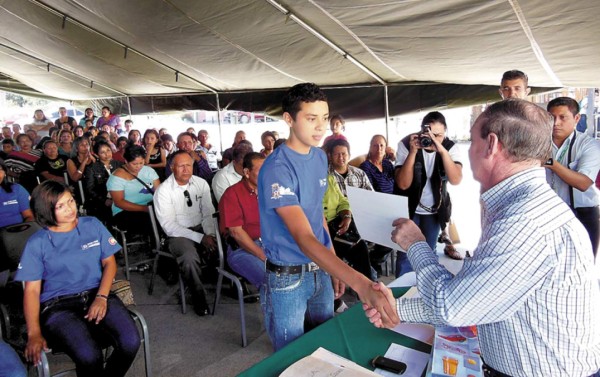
pixel 425 162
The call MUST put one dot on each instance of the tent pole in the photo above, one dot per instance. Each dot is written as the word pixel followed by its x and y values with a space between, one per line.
pixel 591 122
pixel 129 106
pixel 387 113
pixel 219 121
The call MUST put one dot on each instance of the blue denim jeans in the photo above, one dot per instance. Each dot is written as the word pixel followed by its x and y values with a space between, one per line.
pixel 295 303
pixel 247 265
pixel 430 227
pixel 66 329
pixel 10 364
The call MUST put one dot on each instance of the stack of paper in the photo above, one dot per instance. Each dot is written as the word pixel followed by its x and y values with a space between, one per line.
pixel 323 363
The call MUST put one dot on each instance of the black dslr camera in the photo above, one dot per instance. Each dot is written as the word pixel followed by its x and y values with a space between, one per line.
pixel 424 139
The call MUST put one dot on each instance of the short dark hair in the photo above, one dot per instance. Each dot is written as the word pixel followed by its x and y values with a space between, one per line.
pixel 337 143
pixel 5 184
pixel 8 141
pixel 299 93
pixel 23 135
pixel 186 134
pixel 43 201
pixel 241 150
pixel 106 108
pixel 267 134
pixel 133 151
pixel 434 117
pixel 564 101
pixel 515 74
pixel 166 137
pixel 335 118
pixel 249 159
pixel 100 143
pixel 278 142
pixel 175 154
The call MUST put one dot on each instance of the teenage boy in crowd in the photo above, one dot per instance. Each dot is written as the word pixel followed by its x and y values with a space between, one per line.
pixel 299 290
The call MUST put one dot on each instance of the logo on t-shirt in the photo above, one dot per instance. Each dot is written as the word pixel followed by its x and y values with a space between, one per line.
pixel 112 241
pixel 9 202
pixel 279 191
pixel 90 245
pixel 323 182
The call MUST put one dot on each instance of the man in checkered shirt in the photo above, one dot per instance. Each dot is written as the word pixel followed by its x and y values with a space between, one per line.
pixel 530 287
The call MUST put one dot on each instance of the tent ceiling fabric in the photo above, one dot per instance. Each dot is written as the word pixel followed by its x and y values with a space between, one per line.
pixel 100 49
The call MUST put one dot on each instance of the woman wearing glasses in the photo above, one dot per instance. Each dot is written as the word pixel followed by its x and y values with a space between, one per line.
pixel 131 188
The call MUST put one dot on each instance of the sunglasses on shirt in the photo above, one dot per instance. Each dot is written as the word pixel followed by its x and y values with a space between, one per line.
pixel 186 193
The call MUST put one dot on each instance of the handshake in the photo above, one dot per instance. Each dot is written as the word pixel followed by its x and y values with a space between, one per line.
pixel 380 306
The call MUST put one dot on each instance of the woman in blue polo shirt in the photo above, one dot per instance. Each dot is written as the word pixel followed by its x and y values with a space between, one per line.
pixel 73 309
pixel 14 201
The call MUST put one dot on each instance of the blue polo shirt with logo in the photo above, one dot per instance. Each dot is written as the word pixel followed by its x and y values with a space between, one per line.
pixel 290 178
pixel 12 204
pixel 69 262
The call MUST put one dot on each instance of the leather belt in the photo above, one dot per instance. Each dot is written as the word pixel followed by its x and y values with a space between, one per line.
pixel 297 269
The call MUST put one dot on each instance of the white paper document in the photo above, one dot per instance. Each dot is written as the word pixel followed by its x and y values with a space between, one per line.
pixel 374 212
pixel 415 361
pixel 324 363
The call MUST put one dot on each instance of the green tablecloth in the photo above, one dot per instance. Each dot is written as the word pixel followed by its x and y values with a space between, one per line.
pixel 349 335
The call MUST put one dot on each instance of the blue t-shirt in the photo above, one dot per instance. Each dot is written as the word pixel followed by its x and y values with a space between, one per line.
pixel 290 178
pixel 67 262
pixel 134 191
pixel 12 204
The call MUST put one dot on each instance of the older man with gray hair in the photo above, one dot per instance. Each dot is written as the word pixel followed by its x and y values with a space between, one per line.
pixel 530 287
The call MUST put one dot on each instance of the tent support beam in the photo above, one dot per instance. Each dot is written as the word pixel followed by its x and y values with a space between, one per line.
pixel 62 69
pixel 386 100
pixel 326 40
pixel 127 48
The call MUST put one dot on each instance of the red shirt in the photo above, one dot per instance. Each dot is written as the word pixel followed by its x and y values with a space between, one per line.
pixel 239 207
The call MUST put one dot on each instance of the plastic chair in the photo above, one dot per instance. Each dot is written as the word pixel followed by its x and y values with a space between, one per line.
pixel 160 252
pixel 13 239
pixel 234 279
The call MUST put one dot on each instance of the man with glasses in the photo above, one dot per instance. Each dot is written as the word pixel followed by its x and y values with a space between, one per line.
pixel 184 210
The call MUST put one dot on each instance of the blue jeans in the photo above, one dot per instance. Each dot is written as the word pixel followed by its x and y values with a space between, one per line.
pixel 247 265
pixel 10 364
pixel 66 329
pixel 430 227
pixel 295 303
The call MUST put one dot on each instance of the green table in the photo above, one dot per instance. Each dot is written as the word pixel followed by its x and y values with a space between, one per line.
pixel 349 335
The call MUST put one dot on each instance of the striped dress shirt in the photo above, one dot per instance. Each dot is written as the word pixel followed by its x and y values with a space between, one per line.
pixel 530 287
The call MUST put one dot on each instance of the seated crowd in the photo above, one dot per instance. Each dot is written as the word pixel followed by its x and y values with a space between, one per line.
pixel 188 178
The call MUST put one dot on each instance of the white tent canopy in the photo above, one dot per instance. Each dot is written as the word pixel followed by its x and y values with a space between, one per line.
pixel 180 54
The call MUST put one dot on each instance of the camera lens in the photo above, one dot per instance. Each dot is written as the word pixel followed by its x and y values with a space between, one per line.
pixel 425 141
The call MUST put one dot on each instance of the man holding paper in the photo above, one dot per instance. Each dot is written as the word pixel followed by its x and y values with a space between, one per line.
pixel 530 287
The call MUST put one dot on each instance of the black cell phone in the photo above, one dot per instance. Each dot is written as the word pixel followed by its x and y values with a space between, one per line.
pixel 390 365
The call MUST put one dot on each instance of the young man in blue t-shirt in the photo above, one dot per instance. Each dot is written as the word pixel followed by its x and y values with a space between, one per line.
pixel 298 289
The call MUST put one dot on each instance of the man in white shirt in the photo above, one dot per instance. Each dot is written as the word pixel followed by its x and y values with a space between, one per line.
pixel 574 166
pixel 184 210
pixel 232 173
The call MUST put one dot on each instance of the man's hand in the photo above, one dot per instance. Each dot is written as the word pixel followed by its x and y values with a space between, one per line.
pixel 338 287
pixel 209 242
pixel 414 144
pixel 344 225
pixel 35 345
pixel 406 233
pixel 372 313
pixel 377 297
